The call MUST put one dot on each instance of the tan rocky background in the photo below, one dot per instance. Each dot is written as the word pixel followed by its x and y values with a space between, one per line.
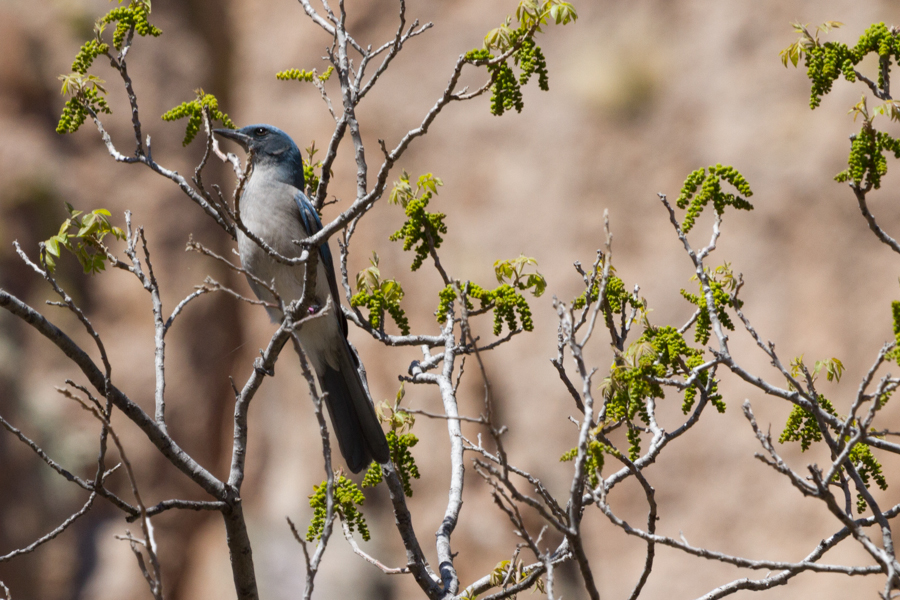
pixel 641 94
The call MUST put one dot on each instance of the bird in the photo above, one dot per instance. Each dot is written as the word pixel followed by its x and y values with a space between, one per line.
pixel 275 209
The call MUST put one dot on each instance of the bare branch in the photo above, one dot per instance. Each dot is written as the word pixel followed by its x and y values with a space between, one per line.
pixel 860 194
pixel 368 558
pixel 159 438
pixel 43 540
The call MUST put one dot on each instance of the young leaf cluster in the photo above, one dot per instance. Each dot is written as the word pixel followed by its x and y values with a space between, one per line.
pixel 378 296
pixel 422 230
pixel 722 284
pixel 304 75
pixel 513 272
pixel 311 170
pixel 397 417
pixel 506 88
pixel 511 572
pixel 347 496
pixel 82 235
pixel 193 110
pixel 833 368
pixel 710 185
pixel 399 444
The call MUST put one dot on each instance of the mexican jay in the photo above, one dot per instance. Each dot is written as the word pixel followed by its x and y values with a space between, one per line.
pixel 274 207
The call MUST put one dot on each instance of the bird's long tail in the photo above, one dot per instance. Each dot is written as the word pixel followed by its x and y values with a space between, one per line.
pixel 353 417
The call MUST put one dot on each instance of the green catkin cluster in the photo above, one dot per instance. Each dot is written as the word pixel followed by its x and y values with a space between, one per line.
pixel 89 51
pixel 127 17
pixel 629 384
pixel 76 109
pixel 377 303
pixel 634 442
pixel 87 93
pixel 346 497
pixel 711 190
pixel 825 63
pixel 722 300
pixel 895 313
pixel 530 59
pixel 505 300
pixel 802 426
pixel 506 91
pixel 378 296
pixel 593 462
pixel 868 468
pixel 690 394
pixel 193 110
pixel 617 297
pixel 420 225
pixel 659 352
pixel 867 164
pixel 73 116
pixel 402 459
pixel 303 75
pixel 506 88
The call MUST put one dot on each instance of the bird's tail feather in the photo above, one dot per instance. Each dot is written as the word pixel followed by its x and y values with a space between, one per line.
pixel 353 417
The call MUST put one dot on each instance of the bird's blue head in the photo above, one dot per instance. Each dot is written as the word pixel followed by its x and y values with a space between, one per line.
pixel 270 147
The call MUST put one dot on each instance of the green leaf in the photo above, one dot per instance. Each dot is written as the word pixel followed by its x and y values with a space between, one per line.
pixel 86 243
pixel 563 13
pixel 499 38
pixel 52 246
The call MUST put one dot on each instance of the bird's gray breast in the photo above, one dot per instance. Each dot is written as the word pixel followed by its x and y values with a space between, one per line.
pixel 269 211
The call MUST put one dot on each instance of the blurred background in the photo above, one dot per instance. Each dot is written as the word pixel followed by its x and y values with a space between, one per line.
pixel 641 93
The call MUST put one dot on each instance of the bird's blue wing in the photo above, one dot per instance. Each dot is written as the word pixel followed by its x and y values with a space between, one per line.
pixel 313 224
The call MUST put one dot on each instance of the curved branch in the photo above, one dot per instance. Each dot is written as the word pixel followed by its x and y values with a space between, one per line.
pixel 870 219
pixel 165 444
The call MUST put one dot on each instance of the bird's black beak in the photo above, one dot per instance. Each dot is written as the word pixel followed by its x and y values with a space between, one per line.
pixel 233 134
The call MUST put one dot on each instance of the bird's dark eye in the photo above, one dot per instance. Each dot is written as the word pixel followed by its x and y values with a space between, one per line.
pixel 260 131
